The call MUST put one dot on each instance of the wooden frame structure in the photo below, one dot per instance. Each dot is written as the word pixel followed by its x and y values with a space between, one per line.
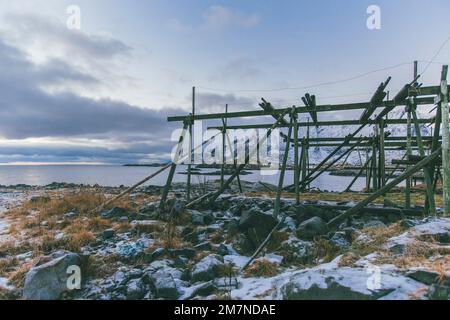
pixel 411 96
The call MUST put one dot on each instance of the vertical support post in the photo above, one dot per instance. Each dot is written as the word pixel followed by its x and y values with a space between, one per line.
pixel 276 209
pixel 408 153
pixel 382 161
pixel 374 166
pixel 308 186
pixel 296 163
pixel 445 142
pixel 173 167
pixel 430 203
pixel 191 147
pixel 368 170
pixel 224 130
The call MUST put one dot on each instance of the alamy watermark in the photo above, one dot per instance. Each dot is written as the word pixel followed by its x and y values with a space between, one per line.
pixel 374 20
pixel 259 147
pixel 73 278
pixel 73 21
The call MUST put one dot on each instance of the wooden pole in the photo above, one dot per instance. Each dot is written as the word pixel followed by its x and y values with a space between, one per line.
pixel 408 173
pixel 173 167
pixel 445 141
pixel 431 206
pixel 408 154
pixel 241 166
pixel 191 146
pixel 224 130
pixel 358 175
pixel 296 163
pixel 382 160
pixel 276 209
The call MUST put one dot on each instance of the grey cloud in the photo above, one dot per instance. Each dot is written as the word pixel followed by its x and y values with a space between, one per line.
pixel 209 102
pixel 242 68
pixel 26 110
pixel 47 30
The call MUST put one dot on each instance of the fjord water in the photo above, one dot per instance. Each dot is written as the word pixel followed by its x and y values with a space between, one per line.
pixel 106 175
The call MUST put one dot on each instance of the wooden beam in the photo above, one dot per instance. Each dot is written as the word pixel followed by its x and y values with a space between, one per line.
pixel 320 108
pixel 333 223
pixel 445 141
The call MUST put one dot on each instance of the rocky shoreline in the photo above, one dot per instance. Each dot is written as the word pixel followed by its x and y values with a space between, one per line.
pixel 137 251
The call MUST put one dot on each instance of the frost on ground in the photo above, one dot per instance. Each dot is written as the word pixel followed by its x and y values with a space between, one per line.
pixel 137 251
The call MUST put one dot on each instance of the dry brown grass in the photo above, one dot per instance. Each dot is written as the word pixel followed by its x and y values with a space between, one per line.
pixel 101 267
pixel 17 277
pixel 6 265
pixel 325 250
pixel 417 198
pixel 277 238
pixel 262 268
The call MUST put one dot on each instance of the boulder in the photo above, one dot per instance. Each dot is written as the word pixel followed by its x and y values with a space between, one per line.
pixel 311 228
pixel 149 257
pixel 108 234
pixel 136 289
pixel 164 285
pixel 49 280
pixel 329 282
pixel 207 268
pixel 257 225
pixel 114 212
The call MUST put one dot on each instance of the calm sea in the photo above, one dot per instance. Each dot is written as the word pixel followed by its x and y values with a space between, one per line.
pixel 118 175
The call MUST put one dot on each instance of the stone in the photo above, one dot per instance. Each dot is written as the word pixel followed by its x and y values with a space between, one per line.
pixel 147 226
pixel 204 246
pixel 257 225
pixel 439 292
pixel 207 268
pixel 330 282
pixel 339 239
pixel 187 252
pixel 136 289
pixel 374 224
pixel 164 285
pixel 49 280
pixel 113 213
pixel 108 234
pixel 71 214
pixel 149 257
pixel 181 262
pixel 428 277
pixel 204 290
pixel 223 250
pixel 311 228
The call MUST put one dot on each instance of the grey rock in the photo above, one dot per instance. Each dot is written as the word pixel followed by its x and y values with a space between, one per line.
pixel 339 239
pixel 165 285
pixel 181 262
pixel 439 292
pixel 204 246
pixel 204 290
pixel 108 234
pixel 154 255
pixel 257 225
pixel 223 250
pixel 71 214
pixel 374 224
pixel 207 268
pixel 136 289
pixel 187 252
pixel 311 228
pixel 428 277
pixel 114 212
pixel 49 280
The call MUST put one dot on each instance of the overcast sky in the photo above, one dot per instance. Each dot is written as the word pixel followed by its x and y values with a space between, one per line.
pixel 102 94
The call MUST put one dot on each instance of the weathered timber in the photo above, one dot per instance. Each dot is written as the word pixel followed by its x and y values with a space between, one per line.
pixel 408 173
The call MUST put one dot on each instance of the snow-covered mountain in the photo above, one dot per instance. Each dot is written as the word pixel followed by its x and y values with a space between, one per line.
pixel 317 154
